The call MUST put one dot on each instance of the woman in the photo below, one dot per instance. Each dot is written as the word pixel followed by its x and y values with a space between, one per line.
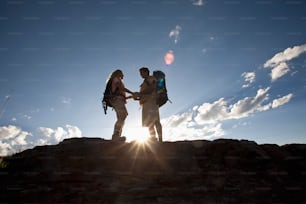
pixel 118 102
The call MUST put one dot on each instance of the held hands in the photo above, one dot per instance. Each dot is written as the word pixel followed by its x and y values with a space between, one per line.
pixel 135 96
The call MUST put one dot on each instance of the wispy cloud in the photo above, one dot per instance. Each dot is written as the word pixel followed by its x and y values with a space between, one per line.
pixel 205 121
pixel 220 110
pixel 281 101
pixel 13 139
pixel 278 63
pixel 66 100
pixel 26 116
pixel 175 33
pixel 279 71
pixel 249 78
pixel 249 105
pixel 198 2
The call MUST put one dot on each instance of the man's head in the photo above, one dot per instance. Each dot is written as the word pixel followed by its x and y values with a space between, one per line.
pixel 144 71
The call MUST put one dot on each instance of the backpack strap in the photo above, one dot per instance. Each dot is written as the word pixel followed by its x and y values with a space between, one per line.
pixel 147 82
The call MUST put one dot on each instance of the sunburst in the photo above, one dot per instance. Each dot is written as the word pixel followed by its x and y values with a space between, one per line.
pixel 137 134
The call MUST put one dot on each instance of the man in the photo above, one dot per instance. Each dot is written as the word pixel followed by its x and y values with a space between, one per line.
pixel 118 102
pixel 150 109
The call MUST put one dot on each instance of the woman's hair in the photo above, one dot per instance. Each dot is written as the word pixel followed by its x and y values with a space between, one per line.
pixel 114 74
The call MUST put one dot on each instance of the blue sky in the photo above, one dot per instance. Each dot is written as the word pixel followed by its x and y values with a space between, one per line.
pixel 239 70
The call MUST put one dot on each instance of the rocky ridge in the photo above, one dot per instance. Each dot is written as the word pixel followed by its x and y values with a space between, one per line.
pixel 93 170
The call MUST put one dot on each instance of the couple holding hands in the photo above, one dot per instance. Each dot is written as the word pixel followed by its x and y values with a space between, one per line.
pixel 147 99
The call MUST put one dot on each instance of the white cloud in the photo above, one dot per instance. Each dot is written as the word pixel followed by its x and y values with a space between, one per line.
pixel 249 77
pixel 177 120
pixel 9 132
pixel 279 71
pixel 204 121
pixel 46 131
pixel 220 110
pixel 287 55
pixel 208 131
pixel 175 33
pixel 249 105
pixel 13 139
pixel 212 112
pixel 198 2
pixel 73 131
pixel 278 63
pixel 59 133
pixel 54 136
pixel 20 140
pixel 281 101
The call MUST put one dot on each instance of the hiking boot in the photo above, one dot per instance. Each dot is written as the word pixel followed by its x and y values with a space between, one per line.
pixel 122 139
pixel 119 139
pixel 115 135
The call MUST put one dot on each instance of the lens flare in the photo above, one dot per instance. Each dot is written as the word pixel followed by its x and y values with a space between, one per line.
pixel 169 57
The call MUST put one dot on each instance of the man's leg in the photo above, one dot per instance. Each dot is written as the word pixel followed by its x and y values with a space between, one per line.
pixel 152 133
pixel 159 131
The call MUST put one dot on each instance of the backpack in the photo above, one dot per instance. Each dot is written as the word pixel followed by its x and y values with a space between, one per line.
pixel 162 95
pixel 107 96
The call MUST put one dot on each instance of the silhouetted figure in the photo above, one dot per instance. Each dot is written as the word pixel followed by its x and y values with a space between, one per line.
pixel 118 102
pixel 150 109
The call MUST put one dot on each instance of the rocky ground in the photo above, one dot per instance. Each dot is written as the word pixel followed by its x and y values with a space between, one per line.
pixel 93 170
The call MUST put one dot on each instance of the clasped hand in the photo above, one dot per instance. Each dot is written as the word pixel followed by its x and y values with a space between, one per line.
pixel 136 95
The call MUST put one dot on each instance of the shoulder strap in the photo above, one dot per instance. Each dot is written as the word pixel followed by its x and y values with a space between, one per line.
pixel 147 82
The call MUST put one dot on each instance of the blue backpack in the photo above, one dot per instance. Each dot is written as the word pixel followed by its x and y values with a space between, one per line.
pixel 162 97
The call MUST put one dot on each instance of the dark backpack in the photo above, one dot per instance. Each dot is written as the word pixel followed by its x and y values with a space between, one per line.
pixel 107 96
pixel 162 95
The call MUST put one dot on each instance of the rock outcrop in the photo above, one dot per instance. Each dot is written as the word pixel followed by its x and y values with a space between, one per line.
pixel 93 170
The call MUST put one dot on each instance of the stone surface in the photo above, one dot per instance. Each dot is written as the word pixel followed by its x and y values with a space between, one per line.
pixel 93 170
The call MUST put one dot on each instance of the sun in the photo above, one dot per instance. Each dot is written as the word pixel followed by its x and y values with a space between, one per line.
pixel 141 139
pixel 138 134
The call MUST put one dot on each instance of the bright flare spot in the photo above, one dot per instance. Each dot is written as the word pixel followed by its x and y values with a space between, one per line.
pixel 141 139
pixel 169 57
pixel 137 134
